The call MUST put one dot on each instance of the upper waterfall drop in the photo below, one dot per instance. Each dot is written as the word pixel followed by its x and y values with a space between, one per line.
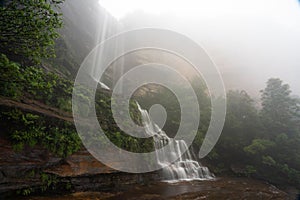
pixel 103 85
pixel 185 167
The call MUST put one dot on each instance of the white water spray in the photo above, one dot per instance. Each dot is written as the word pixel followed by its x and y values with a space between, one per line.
pixel 185 167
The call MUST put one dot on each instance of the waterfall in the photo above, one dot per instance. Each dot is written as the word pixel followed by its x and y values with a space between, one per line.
pixel 185 167
pixel 102 85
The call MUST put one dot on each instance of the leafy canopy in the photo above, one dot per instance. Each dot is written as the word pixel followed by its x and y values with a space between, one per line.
pixel 279 108
pixel 28 29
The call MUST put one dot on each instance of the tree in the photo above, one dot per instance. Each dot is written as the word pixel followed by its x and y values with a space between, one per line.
pixel 280 117
pixel 28 29
pixel 242 122
pixel 241 126
pixel 279 109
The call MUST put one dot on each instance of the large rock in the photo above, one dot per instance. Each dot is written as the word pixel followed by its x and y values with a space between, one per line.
pixel 14 165
pixel 21 170
pixel 81 163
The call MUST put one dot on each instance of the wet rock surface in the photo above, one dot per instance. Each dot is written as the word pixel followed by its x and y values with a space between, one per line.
pixel 14 166
pixel 222 188
pixel 22 170
pixel 90 179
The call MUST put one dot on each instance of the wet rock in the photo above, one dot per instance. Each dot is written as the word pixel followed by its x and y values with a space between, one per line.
pixel 2 177
pixel 238 189
pixel 20 170
pixel 79 164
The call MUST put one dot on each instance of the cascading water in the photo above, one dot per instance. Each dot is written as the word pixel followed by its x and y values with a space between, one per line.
pixel 185 167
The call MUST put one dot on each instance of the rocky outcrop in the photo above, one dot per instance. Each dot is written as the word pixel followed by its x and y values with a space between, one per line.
pixel 34 106
pixel 79 164
pixel 15 167
pixel 21 170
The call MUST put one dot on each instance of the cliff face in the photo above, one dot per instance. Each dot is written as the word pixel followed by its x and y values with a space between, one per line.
pixel 39 147
pixel 85 24
pixel 40 150
pixel 33 169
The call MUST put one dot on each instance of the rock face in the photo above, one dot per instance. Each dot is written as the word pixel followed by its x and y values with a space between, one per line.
pixel 86 24
pixel 21 170
pixel 79 164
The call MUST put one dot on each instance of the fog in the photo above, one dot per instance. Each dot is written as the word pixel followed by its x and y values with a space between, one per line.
pixel 250 41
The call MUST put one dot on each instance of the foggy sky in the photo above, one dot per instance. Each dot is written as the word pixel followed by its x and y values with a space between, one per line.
pixel 250 41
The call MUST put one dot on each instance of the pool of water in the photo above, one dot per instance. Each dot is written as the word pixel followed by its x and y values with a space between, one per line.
pixel 220 188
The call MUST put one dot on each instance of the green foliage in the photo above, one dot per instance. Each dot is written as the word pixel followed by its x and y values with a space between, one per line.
pixel 34 83
pixel 278 107
pixel 113 132
pixel 25 128
pixel 265 142
pixel 58 137
pixel 63 140
pixel 49 181
pixel 258 146
pixel 10 76
pixel 28 29
pixel 268 160
pixel 240 128
pixel 250 170
pixel 25 192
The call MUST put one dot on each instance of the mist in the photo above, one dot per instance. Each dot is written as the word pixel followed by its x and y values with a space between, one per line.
pixel 248 41
pixel 138 99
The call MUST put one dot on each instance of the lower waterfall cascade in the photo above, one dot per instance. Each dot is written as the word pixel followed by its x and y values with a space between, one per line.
pixel 185 167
